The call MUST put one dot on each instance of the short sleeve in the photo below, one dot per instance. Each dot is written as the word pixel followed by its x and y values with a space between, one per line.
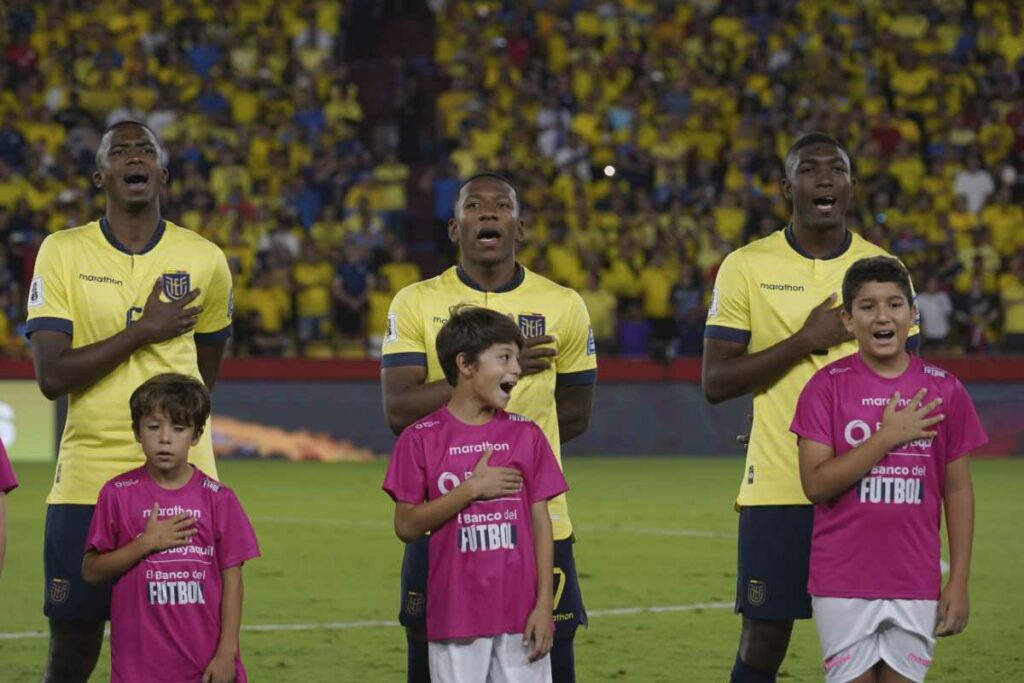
pixel 964 432
pixel 406 478
pixel 218 301
pixel 404 339
pixel 813 417
pixel 103 534
pixel 235 537
pixel 576 362
pixel 547 480
pixel 8 480
pixel 48 305
pixel 729 314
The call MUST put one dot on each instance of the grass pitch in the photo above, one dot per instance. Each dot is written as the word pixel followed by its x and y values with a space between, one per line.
pixel 652 533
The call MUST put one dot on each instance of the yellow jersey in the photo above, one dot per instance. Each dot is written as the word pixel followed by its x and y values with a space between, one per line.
pixel 763 294
pixel 540 306
pixel 90 287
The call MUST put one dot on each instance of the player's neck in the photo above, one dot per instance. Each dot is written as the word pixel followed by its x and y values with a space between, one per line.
pixel 819 243
pixel 172 480
pixel 890 367
pixel 469 409
pixel 491 277
pixel 134 229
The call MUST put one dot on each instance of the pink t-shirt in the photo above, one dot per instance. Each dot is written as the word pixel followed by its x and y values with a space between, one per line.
pixel 165 611
pixel 483 569
pixel 8 482
pixel 880 538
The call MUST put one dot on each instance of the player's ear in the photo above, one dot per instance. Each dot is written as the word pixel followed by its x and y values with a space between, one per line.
pixel 138 437
pixel 787 188
pixel 197 434
pixel 453 230
pixel 520 233
pixel 97 179
pixel 464 364
pixel 847 319
pixel 164 176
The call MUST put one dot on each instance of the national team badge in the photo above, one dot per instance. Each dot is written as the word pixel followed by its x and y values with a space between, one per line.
pixel 414 604
pixel 176 284
pixel 755 592
pixel 532 325
pixel 59 591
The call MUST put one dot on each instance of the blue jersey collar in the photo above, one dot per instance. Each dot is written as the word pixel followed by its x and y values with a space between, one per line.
pixel 153 241
pixel 516 280
pixel 791 239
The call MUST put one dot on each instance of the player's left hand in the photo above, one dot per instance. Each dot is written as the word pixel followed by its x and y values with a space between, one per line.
pixel 954 608
pixel 539 634
pixel 533 357
pixel 221 669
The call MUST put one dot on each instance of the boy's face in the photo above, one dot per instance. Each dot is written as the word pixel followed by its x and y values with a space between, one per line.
pixel 880 319
pixel 494 375
pixel 165 444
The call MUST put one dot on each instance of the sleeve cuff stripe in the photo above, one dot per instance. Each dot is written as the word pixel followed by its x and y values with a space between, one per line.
pixel 397 360
pixel 51 324
pixel 573 379
pixel 730 334
pixel 213 337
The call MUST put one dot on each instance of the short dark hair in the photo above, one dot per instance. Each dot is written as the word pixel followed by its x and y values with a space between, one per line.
pixel 470 330
pixel 816 138
pixel 185 400
pixel 487 174
pixel 875 269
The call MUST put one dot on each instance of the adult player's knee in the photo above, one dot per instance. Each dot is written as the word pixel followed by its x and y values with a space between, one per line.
pixel 763 643
pixel 563 661
pixel 74 649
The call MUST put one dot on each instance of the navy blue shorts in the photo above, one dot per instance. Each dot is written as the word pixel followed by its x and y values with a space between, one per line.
pixel 569 611
pixel 773 561
pixel 66 594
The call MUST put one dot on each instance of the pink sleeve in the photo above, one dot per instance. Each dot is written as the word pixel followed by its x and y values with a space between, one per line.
pixel 236 539
pixel 813 417
pixel 546 480
pixel 8 481
pixel 103 535
pixel 964 432
pixel 406 480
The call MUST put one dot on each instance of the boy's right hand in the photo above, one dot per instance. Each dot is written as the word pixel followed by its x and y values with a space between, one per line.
pixel 494 482
pixel 163 534
pixel 913 422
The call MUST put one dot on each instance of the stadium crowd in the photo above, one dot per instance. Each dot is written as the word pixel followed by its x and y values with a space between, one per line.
pixel 645 137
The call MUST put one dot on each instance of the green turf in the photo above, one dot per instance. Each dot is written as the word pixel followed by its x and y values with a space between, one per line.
pixel 330 556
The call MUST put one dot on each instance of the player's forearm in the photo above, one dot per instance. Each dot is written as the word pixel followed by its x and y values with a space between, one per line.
pixel 544 549
pixel 960 529
pixel 411 403
pixel 209 357
pixel 574 406
pixel 414 521
pixel 100 567
pixel 726 378
pixel 75 369
pixel 230 611
pixel 835 475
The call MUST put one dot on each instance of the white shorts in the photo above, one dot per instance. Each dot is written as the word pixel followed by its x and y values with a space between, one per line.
pixel 495 659
pixel 855 634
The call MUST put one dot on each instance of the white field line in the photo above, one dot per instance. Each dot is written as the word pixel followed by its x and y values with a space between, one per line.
pixel 346 625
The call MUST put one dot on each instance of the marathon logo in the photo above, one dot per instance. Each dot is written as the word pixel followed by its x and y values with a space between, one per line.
pixel 101 279
pixel 478 448
pixel 785 287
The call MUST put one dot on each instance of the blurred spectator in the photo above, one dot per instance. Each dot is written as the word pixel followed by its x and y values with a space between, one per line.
pixel 936 309
pixel 976 312
pixel 688 311
pixel 349 290
pixel 379 297
pixel 267 307
pixel 313 277
pixel 634 332
pixel 1012 298
pixel 601 305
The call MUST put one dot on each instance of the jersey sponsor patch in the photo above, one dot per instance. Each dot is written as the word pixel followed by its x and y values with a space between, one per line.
pixel 532 325
pixel 391 331
pixel 177 284
pixel 713 309
pixel 35 292
pixel 231 302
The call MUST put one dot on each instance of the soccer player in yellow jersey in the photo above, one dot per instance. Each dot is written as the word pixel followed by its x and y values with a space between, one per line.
pixel 556 390
pixel 773 321
pixel 111 304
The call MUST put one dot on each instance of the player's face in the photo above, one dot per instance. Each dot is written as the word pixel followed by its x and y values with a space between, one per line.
pixel 165 443
pixel 486 225
pixel 880 318
pixel 132 175
pixel 820 186
pixel 495 374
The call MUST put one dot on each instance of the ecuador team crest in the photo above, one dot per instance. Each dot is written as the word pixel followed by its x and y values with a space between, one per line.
pixel 59 591
pixel 532 325
pixel 177 284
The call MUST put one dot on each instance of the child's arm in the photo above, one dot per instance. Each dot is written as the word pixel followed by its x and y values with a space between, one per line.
pixel 824 477
pixel 539 626
pixel 954 606
pixel 413 521
pixel 160 534
pixel 221 668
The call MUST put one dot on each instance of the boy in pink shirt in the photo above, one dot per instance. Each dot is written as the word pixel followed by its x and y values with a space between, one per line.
pixel 478 479
pixel 174 541
pixel 8 482
pixel 883 437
